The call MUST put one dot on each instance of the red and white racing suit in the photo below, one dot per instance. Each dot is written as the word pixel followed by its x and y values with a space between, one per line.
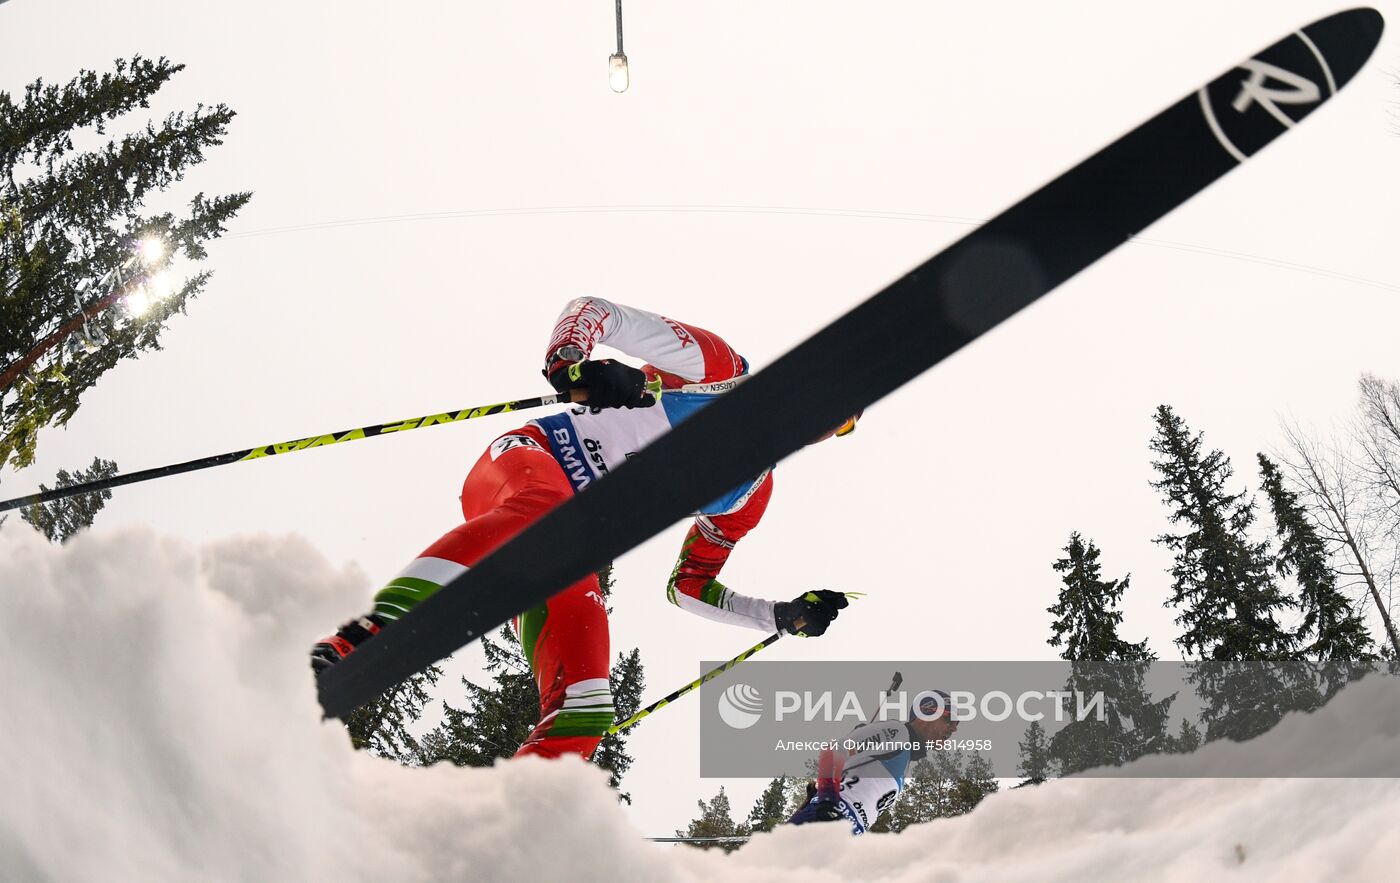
pixel 528 471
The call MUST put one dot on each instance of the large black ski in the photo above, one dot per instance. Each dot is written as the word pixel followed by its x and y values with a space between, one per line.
pixel 912 325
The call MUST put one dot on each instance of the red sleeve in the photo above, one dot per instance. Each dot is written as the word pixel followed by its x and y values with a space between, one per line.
pixel 680 353
pixel 708 544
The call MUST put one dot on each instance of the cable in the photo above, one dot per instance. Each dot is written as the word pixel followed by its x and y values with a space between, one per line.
pixel 791 210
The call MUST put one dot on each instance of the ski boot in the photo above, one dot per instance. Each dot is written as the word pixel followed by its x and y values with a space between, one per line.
pixel 824 795
pixel 328 651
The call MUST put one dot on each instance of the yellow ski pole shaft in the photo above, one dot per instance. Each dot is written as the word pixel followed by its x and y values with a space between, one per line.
pixel 303 444
pixel 694 685
pixel 711 675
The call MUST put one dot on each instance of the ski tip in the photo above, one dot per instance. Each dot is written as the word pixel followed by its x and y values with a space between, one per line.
pixel 1366 17
pixel 1272 91
pixel 1346 40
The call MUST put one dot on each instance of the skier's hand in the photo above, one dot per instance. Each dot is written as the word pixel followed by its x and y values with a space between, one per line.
pixel 609 384
pixel 810 613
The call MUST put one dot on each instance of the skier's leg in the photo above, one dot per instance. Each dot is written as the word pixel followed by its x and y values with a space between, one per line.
pixel 566 643
pixel 566 640
pixel 514 482
pixel 824 800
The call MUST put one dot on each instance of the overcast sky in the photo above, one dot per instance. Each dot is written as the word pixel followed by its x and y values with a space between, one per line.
pixel 434 180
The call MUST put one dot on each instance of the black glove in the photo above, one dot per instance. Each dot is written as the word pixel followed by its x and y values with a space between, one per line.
pixel 815 610
pixel 609 384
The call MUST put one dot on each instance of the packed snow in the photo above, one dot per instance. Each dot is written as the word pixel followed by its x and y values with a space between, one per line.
pixel 161 724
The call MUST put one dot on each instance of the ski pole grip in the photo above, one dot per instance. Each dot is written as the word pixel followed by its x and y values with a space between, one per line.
pixel 579 394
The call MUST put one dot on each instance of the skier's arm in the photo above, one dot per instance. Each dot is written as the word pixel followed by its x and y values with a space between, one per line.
pixel 681 353
pixel 694 586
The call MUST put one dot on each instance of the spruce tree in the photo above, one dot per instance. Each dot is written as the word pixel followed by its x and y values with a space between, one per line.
pixel 1332 631
pixel 381 726
pixel 605 583
pixel 1035 764
pixel 716 819
pixel 925 797
pixel 1186 740
pixel 1221 579
pixel 882 824
pixel 70 218
pixel 771 807
pixel 1224 586
pixel 1087 615
pixel 1133 724
pixel 59 520
pixel 1101 662
pixel 944 784
pixel 976 782
pixel 627 682
pixel 497 719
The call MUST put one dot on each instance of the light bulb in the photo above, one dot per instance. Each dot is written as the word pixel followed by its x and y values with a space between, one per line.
pixel 617 72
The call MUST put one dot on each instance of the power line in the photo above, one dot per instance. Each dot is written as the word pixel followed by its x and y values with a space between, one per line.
pixel 789 210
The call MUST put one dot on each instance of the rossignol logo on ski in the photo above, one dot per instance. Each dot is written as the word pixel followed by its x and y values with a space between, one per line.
pixel 1300 90
pixel 1245 107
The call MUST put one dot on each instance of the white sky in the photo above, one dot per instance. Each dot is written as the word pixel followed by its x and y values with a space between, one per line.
pixel 881 131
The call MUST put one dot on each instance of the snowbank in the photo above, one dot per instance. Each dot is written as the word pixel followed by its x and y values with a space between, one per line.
pixel 160 724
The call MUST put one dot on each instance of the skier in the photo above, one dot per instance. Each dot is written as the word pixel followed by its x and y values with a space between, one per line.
pixel 527 471
pixel 861 784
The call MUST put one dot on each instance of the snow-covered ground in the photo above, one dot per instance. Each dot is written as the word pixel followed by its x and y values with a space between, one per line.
pixel 160 724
